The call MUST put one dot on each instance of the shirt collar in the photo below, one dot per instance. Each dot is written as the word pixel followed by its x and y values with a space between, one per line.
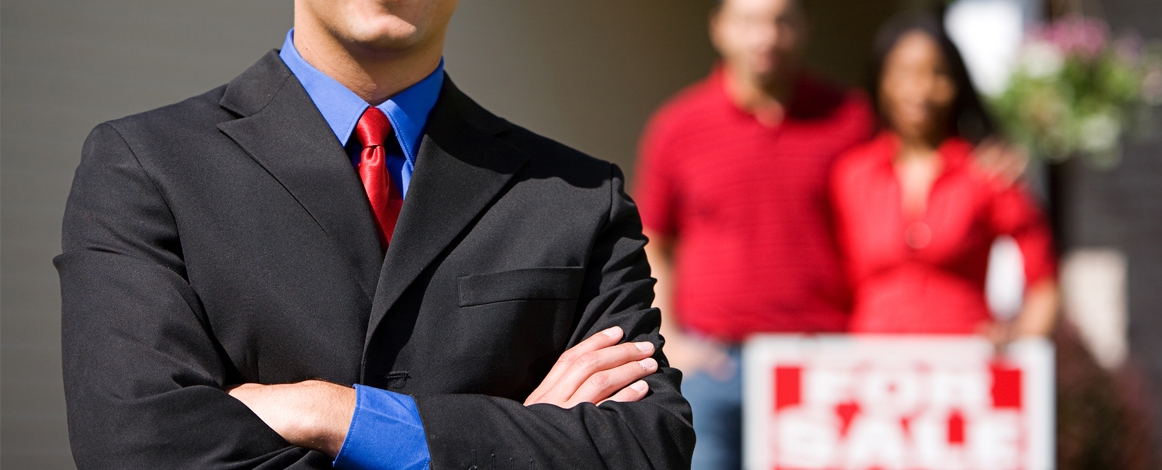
pixel 809 97
pixel 408 110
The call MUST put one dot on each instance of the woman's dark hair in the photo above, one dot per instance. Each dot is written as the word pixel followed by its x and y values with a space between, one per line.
pixel 969 119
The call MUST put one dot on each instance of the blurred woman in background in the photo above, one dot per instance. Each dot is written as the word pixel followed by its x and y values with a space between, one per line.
pixel 916 215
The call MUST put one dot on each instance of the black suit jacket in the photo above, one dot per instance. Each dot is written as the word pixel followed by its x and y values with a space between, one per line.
pixel 227 239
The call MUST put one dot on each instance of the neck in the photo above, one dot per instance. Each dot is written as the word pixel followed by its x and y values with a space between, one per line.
pixel 373 74
pixel 751 93
pixel 918 146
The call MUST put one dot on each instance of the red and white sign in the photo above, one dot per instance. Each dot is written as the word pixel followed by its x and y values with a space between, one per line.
pixel 897 403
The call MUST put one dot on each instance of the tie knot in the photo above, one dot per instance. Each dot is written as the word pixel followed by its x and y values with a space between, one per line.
pixel 373 128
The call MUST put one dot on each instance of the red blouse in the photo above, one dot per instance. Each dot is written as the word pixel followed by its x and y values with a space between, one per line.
pixel 926 274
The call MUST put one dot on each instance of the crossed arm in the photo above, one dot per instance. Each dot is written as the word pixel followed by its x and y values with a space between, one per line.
pixel 145 365
pixel 316 415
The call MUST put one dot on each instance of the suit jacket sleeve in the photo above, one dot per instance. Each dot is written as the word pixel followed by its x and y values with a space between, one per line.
pixel 142 370
pixel 490 432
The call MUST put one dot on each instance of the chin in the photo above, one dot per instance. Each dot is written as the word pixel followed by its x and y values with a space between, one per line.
pixel 390 34
pixel 772 72
pixel 770 76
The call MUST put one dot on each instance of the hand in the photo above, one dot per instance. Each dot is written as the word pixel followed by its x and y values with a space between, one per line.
pixel 1000 161
pixel 1036 320
pixel 691 354
pixel 312 414
pixel 998 332
pixel 596 370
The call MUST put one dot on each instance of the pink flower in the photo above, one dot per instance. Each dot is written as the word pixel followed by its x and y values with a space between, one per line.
pixel 1077 35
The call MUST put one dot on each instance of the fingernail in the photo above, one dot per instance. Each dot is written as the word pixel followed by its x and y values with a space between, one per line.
pixel 645 346
pixel 614 332
pixel 640 386
pixel 648 363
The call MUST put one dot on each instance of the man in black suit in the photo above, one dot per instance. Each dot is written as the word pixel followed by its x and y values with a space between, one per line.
pixel 227 276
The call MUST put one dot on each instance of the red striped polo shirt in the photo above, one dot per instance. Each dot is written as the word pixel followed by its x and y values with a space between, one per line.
pixel 748 209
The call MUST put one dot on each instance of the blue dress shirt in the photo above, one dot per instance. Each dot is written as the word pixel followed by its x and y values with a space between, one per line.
pixel 386 431
pixel 408 111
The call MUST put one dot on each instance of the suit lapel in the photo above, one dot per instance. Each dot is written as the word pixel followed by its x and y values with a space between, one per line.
pixel 461 167
pixel 282 130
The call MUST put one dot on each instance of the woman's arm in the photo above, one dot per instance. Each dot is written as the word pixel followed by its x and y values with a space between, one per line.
pixel 1017 215
pixel 1038 312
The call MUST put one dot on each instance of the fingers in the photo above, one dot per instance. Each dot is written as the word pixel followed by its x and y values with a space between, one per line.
pixel 596 370
pixel 598 363
pixel 634 392
pixel 608 383
pixel 603 339
pixel 1001 160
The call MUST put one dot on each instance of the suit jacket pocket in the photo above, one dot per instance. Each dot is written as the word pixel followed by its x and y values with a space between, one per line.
pixel 521 284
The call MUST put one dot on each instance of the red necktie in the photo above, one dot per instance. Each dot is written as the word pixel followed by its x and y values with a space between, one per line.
pixel 373 130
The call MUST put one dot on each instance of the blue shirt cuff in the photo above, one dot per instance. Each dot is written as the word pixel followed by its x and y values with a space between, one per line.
pixel 385 433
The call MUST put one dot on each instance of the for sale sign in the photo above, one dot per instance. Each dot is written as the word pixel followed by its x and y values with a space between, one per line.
pixel 897 403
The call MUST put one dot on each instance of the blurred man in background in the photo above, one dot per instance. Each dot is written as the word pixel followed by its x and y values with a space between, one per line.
pixel 732 190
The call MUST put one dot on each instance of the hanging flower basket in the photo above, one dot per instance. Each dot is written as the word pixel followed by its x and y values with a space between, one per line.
pixel 1077 92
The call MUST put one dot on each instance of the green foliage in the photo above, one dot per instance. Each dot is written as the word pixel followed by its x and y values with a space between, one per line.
pixel 1074 93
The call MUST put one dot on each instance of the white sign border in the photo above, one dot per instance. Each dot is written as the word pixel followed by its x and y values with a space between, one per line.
pixel 1035 355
